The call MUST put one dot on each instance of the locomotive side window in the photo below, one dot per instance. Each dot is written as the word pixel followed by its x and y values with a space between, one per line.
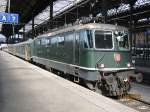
pixel 86 36
pixel 88 42
pixel 90 39
pixel 103 40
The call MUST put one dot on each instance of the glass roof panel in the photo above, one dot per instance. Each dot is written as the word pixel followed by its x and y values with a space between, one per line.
pixel 126 7
pixel 59 6
pixel 140 3
pixel 123 8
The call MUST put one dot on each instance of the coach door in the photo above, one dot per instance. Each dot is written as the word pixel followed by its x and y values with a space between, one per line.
pixel 26 52
pixel 77 48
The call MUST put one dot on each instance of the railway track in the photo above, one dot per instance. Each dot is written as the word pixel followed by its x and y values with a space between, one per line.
pixel 134 101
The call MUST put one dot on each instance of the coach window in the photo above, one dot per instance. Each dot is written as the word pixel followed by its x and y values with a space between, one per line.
pixel 54 41
pixel 69 40
pixel 48 42
pixel 69 37
pixel 61 40
pixel 43 41
pixel 38 42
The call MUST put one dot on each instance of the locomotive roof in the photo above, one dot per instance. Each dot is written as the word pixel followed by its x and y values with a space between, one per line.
pixel 85 26
pixel 80 27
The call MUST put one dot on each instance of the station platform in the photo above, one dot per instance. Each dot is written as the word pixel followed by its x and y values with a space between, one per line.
pixel 28 88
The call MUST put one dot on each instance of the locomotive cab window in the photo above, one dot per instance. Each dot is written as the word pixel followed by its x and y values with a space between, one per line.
pixel 122 39
pixel 103 40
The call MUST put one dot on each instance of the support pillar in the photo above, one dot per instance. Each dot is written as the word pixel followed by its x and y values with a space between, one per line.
pixel 147 35
pixel 7 40
pixel 131 2
pixel 51 14
pixel 24 38
pixel 33 27
pixel 18 37
pixel 104 6
pixel 13 33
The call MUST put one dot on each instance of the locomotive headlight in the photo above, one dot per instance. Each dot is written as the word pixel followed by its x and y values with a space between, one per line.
pixel 100 65
pixel 126 79
pixel 128 65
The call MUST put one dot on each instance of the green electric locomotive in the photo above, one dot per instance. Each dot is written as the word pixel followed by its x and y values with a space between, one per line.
pixel 99 54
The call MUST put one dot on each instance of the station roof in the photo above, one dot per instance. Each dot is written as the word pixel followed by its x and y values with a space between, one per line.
pixel 27 9
pixel 40 10
pixel 58 6
pixel 117 11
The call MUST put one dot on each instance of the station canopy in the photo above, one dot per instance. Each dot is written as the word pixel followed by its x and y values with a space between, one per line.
pixel 41 10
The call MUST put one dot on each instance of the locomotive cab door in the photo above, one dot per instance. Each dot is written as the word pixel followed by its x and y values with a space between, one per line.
pixel 77 49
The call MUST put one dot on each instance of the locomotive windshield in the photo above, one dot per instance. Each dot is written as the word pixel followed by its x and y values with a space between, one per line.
pixel 103 40
pixel 122 40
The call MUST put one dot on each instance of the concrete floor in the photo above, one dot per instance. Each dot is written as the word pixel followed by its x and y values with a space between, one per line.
pixel 27 88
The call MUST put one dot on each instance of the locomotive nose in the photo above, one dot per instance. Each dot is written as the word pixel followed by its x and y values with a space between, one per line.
pixel 114 60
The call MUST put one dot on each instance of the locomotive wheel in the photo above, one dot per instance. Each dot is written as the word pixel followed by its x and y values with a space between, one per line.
pixel 89 85
pixel 139 78
pixel 94 87
pixel 98 88
pixel 127 86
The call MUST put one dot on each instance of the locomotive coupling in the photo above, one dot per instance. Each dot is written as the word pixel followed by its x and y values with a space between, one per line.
pixel 138 77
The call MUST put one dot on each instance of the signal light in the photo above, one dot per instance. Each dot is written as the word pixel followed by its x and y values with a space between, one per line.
pixel 100 65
